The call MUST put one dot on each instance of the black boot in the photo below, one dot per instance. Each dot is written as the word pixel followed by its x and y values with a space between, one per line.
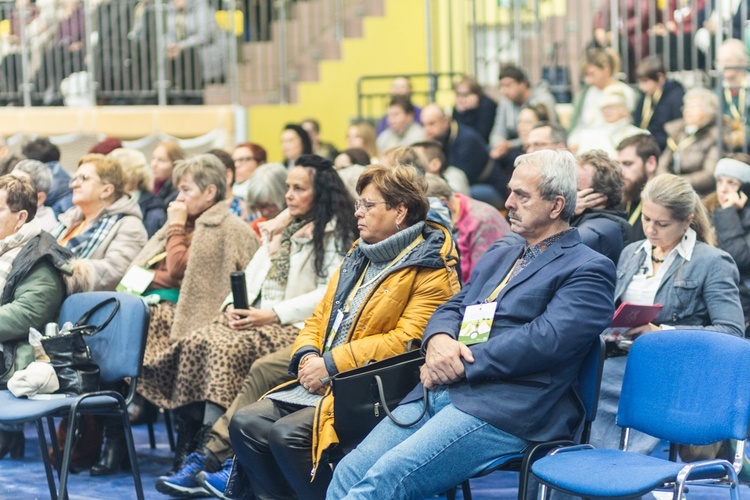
pixel 13 443
pixel 187 429
pixel 115 455
pixel 141 411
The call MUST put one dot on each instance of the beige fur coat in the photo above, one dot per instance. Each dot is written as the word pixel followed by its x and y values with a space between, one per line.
pixel 221 244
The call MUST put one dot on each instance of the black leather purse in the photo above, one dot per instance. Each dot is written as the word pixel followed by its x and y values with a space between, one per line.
pixel 362 397
pixel 69 354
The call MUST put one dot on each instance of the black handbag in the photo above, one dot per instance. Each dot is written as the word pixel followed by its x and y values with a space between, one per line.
pixel 69 354
pixel 557 75
pixel 364 395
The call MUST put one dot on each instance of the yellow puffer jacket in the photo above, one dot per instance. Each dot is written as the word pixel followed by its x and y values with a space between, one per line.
pixel 395 312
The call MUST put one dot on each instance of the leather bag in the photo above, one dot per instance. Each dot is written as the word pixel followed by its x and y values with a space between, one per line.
pixel 70 356
pixel 362 397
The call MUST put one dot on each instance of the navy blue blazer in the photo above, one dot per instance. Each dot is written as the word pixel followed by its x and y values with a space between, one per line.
pixel 546 319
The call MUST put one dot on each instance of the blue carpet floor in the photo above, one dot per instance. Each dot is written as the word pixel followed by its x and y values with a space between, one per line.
pixel 25 479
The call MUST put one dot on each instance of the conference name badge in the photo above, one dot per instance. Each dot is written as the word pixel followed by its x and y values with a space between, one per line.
pixel 135 281
pixel 477 323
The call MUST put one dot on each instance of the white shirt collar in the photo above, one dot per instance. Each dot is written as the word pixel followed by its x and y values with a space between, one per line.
pixel 684 248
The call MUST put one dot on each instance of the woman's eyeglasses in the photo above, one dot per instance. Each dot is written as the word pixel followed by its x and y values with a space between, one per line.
pixel 244 159
pixel 79 179
pixel 365 204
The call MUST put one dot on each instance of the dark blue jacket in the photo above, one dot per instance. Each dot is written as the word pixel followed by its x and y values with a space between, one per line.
pixel 60 196
pixel 606 231
pixel 481 118
pixel 154 212
pixel 547 316
pixel 466 150
pixel 667 109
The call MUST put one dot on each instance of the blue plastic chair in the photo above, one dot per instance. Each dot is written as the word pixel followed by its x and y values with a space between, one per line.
pixel 589 377
pixel 686 387
pixel 118 350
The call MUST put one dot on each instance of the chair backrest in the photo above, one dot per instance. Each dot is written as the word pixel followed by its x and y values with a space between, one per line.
pixel 687 387
pixel 589 383
pixel 118 348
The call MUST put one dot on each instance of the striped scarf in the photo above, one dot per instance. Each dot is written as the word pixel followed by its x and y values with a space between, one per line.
pixel 86 243
pixel 12 245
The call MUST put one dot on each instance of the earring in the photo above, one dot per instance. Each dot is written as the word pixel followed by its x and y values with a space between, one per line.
pixel 398 227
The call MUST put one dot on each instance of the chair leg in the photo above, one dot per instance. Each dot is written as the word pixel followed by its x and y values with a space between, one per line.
pixel 543 492
pixel 451 494
pixel 151 437
pixel 67 455
pixel 131 453
pixel 45 458
pixel 170 433
pixel 466 489
pixel 55 445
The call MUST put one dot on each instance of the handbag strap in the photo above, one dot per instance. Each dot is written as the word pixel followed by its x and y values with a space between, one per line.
pixel 84 320
pixel 384 404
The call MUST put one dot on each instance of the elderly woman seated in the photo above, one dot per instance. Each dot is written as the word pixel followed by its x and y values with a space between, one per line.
pixel 41 178
pixel 33 282
pixel 399 271
pixel 692 143
pixel 104 228
pixel 185 269
pixel 265 196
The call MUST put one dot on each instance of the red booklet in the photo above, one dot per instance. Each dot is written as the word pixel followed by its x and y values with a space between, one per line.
pixel 628 316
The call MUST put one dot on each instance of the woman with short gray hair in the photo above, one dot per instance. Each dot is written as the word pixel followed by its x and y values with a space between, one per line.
pixel 692 141
pixel 265 194
pixel 188 262
pixel 41 178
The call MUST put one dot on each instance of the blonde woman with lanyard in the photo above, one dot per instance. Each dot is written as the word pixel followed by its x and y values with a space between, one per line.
pixel 399 271
pixel 692 146
pixel 678 267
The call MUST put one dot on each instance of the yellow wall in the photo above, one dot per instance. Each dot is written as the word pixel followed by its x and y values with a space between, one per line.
pixel 392 44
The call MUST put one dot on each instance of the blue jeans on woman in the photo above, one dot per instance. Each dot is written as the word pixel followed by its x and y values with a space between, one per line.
pixel 446 447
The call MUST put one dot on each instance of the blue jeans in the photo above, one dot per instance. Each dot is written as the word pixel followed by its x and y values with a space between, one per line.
pixel 443 449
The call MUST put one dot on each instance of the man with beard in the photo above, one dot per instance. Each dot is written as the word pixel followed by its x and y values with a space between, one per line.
pixel 638 156
pixel 466 150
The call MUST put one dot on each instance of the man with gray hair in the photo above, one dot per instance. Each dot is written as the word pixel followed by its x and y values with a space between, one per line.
pixel 41 178
pixel 502 356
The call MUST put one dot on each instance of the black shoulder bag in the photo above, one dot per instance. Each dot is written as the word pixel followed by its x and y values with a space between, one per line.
pixel 364 395
pixel 70 356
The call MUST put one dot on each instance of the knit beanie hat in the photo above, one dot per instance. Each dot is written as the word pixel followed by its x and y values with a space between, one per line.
pixel 733 168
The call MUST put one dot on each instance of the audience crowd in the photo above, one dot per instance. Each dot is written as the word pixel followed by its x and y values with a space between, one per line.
pixel 499 238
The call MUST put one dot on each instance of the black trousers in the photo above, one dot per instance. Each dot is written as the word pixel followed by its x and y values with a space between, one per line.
pixel 273 442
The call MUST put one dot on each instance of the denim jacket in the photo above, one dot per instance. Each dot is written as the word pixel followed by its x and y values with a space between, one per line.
pixel 700 293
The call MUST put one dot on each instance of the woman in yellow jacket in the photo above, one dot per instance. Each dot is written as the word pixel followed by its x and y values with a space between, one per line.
pixel 399 271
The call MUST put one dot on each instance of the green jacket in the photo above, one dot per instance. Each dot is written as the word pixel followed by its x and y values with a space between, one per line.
pixel 33 295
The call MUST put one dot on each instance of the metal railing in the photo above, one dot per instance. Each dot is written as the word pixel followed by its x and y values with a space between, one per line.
pixel 113 51
pixel 525 32
pixel 373 95
pixel 120 51
pixel 125 51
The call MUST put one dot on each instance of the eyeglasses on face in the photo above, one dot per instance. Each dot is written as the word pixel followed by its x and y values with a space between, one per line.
pixel 244 159
pixel 365 204
pixel 80 179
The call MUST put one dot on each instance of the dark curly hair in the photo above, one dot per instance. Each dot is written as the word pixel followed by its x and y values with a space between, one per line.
pixel 332 201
